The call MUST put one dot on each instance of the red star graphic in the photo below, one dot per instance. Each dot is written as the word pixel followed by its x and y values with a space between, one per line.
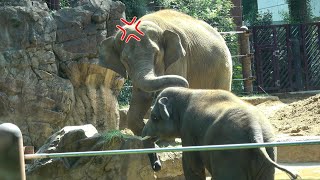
pixel 124 32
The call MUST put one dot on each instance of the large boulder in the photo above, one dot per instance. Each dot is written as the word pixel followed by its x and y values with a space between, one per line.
pixel 86 138
pixel 48 72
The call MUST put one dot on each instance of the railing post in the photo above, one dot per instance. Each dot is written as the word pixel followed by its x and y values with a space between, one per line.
pixel 246 60
pixel 12 164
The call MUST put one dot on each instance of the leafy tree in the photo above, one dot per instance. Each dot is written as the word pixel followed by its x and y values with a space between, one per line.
pixel 135 8
pixel 299 11
pixel 263 19
pixel 215 13
pixel 250 10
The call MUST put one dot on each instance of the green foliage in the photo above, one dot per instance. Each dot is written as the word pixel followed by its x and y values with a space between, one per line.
pixel 250 10
pixel 64 3
pixel 112 136
pixel 237 84
pixel 251 15
pixel 299 11
pixel 135 8
pixel 285 16
pixel 262 19
pixel 125 94
pixel 213 12
pixel 259 18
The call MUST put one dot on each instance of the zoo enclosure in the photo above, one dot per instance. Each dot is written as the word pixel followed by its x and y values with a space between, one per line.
pixel 17 157
pixel 286 57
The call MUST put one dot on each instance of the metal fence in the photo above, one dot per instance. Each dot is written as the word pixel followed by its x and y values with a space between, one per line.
pixel 287 57
pixel 171 149
pixel 16 157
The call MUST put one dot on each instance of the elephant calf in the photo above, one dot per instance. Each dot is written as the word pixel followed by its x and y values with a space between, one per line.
pixel 212 117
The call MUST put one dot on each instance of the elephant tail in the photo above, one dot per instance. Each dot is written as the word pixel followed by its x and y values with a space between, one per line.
pixel 263 152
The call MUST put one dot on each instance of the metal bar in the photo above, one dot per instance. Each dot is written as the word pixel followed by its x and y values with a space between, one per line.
pixel 250 55
pixel 304 55
pixel 251 78
pixel 275 60
pixel 170 149
pixel 289 55
pixel 256 59
pixel 318 25
pixel 239 56
pixel 233 32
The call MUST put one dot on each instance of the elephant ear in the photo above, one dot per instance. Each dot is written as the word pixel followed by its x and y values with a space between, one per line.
pixel 164 108
pixel 109 57
pixel 173 49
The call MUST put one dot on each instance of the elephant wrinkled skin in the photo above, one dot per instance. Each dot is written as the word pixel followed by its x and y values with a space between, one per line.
pixel 175 50
pixel 214 117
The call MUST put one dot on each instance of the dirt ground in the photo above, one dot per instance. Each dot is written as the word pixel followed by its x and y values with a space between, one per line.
pixel 296 115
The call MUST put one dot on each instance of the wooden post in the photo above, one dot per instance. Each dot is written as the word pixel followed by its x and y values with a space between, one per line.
pixel 246 60
pixel 12 164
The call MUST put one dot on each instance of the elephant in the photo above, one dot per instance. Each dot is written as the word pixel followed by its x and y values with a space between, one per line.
pixel 175 50
pixel 213 117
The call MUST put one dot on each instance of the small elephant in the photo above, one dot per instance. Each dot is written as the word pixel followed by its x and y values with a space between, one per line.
pixel 175 50
pixel 213 117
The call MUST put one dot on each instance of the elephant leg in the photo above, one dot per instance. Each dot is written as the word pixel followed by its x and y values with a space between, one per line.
pixel 193 166
pixel 230 165
pixel 139 105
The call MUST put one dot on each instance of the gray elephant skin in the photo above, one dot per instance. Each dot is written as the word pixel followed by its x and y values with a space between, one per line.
pixel 213 117
pixel 175 50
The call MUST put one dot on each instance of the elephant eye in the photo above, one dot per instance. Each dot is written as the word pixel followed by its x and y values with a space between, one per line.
pixel 154 118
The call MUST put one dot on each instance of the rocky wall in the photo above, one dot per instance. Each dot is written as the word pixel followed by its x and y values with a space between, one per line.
pixel 86 138
pixel 48 76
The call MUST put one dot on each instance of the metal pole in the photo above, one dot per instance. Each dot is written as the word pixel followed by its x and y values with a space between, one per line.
pixel 170 149
pixel 11 153
pixel 246 60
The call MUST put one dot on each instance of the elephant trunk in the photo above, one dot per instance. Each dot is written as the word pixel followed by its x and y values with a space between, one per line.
pixel 145 79
pixel 153 157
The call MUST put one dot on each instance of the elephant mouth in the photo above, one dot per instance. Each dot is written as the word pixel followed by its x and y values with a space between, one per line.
pixel 149 142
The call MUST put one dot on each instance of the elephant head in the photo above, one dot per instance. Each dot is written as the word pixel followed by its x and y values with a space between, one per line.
pixel 145 61
pixel 161 125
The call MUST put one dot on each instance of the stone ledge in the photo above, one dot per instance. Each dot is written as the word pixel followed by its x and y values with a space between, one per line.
pixel 301 154
pixel 172 162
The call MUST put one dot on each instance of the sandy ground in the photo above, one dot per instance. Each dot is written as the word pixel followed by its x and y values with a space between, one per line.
pixel 295 116
pixel 307 171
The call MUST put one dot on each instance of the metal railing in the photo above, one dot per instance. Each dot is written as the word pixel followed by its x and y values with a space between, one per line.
pixel 169 149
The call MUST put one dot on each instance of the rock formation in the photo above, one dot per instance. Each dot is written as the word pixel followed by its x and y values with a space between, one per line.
pixel 48 76
pixel 86 138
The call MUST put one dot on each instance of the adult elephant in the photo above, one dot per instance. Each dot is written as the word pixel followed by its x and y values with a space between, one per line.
pixel 175 50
